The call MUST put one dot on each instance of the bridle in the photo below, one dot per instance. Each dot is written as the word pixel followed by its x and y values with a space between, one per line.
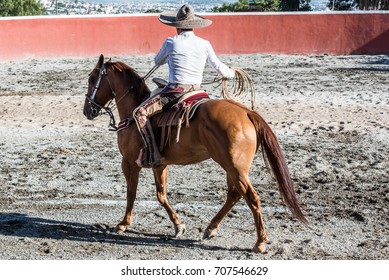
pixel 111 106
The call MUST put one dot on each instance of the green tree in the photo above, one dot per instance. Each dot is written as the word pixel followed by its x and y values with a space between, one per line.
pixel 233 7
pixel 21 8
pixel 243 5
pixel 342 5
pixel 295 5
pixel 153 11
pixel 268 5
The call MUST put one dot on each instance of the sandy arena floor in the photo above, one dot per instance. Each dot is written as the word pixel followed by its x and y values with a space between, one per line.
pixel 62 190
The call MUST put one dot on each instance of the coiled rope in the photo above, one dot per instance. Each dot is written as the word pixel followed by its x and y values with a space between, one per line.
pixel 242 84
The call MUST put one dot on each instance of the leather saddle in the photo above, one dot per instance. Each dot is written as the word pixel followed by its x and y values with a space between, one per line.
pixel 178 114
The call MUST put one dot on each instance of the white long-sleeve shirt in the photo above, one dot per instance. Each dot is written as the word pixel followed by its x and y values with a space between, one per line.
pixel 186 55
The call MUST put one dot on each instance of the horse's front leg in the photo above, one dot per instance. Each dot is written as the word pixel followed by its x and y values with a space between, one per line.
pixel 160 176
pixel 131 173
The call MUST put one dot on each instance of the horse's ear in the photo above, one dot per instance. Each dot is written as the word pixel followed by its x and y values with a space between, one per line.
pixel 101 61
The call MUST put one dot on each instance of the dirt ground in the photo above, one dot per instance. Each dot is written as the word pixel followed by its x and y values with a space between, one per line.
pixel 62 189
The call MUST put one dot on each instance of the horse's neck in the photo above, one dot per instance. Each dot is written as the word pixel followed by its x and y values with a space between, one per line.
pixel 125 105
pixel 127 101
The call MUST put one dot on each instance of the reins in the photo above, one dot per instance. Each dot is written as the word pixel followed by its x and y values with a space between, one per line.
pixel 152 70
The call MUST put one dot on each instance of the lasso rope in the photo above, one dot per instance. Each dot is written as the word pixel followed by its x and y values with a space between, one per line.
pixel 242 83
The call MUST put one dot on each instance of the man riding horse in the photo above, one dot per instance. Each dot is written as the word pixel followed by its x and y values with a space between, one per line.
pixel 186 55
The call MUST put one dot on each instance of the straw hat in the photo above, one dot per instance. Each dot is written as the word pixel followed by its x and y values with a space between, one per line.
pixel 185 18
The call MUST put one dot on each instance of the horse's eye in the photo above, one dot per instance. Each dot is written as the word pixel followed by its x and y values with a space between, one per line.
pixel 91 80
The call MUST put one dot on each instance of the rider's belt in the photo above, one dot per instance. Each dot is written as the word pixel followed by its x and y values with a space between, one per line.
pixel 186 88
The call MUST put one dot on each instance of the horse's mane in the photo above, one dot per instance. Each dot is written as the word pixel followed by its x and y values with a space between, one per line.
pixel 137 81
pixel 120 66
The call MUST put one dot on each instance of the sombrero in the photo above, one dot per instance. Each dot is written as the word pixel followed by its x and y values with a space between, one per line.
pixel 184 18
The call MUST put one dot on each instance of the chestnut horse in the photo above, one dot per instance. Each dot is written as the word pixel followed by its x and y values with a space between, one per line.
pixel 223 130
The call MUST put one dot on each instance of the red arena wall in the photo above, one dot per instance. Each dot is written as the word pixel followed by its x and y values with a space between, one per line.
pixel 232 33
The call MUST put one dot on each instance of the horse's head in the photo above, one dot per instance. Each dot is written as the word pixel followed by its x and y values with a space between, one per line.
pixel 99 90
pixel 109 80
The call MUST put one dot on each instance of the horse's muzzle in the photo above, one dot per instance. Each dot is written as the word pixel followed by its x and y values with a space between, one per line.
pixel 91 111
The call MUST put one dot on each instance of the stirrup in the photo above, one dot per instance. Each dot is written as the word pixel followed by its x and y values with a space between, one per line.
pixel 142 161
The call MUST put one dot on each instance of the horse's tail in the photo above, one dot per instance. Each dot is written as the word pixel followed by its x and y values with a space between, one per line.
pixel 274 158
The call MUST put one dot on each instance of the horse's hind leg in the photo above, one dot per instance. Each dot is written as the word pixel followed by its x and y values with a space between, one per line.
pixel 253 201
pixel 238 186
pixel 233 196
pixel 160 176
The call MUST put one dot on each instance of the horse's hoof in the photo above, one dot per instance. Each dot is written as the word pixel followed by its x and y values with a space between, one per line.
pixel 259 248
pixel 209 233
pixel 120 228
pixel 180 230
